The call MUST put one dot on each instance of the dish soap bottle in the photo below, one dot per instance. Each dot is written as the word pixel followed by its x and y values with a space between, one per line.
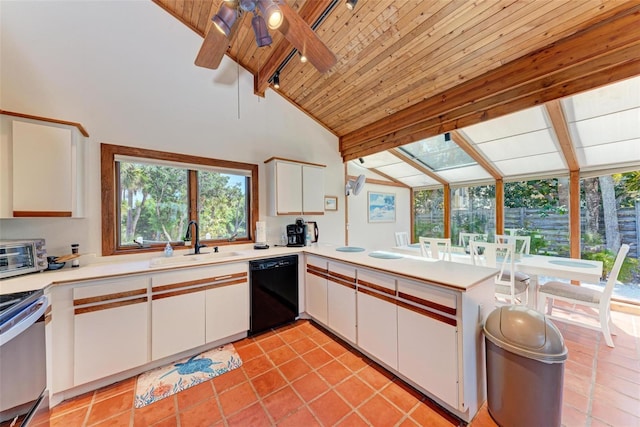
pixel 168 250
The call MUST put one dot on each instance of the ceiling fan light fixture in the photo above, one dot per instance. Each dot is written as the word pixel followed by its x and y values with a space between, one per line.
pixel 351 4
pixel 271 12
pixel 276 80
pixel 224 19
pixel 260 30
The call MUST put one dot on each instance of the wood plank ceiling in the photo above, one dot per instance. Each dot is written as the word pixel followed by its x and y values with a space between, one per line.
pixel 410 69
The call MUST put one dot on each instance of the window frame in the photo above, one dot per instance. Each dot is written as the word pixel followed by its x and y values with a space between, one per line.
pixel 110 190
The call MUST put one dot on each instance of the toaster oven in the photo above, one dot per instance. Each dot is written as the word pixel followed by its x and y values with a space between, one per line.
pixel 22 257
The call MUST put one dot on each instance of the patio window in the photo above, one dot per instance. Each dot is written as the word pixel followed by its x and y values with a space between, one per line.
pixel 473 210
pixel 539 208
pixel 428 213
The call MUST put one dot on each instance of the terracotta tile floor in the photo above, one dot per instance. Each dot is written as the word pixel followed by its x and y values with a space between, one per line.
pixel 299 375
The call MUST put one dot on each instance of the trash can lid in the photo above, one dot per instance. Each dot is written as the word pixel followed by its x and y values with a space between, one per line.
pixel 525 332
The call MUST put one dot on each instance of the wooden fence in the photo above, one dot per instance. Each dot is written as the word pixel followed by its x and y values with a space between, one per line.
pixel 554 228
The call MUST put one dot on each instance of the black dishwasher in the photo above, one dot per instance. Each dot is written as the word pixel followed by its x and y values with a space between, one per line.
pixel 274 292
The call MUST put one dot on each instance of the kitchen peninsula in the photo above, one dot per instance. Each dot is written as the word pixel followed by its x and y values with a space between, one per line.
pixel 421 319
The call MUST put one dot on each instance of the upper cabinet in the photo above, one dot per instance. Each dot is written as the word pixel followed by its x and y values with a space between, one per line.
pixel 42 167
pixel 295 188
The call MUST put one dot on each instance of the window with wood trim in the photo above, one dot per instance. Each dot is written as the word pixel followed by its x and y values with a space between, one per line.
pixel 149 197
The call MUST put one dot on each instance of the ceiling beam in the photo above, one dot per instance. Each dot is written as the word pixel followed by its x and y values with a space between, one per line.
pixel 390 178
pixel 309 12
pixel 605 52
pixel 431 174
pixel 393 183
pixel 559 125
pixel 471 150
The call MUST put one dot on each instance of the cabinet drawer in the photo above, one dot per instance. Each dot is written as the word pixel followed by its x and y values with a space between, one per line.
pixel 192 276
pixel 428 296
pixel 110 289
pixel 342 274
pixel 379 282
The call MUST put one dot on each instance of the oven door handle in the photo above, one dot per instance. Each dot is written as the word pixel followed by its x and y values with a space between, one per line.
pixel 25 323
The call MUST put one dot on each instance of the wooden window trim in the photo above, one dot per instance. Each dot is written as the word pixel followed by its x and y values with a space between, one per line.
pixel 108 180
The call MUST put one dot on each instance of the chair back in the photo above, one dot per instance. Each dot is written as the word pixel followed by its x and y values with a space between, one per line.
pixel 436 248
pixel 613 275
pixel 402 238
pixel 496 255
pixel 465 238
pixel 522 243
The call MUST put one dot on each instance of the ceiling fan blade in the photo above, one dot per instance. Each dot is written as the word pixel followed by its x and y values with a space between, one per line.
pixel 303 38
pixel 215 45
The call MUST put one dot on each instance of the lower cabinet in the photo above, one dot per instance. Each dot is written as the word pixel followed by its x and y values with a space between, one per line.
pixel 111 327
pixel 377 317
pixel 341 300
pixel 227 303
pixel 316 288
pixel 190 307
pixel 428 351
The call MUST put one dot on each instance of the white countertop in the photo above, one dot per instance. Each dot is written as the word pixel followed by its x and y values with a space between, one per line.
pixel 453 275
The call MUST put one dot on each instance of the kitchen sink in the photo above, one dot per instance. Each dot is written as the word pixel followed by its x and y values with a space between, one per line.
pixel 177 259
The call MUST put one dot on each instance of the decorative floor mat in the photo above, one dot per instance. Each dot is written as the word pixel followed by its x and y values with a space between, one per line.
pixel 167 380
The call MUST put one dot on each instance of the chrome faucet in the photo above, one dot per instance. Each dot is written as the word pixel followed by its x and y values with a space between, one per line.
pixel 233 237
pixel 196 240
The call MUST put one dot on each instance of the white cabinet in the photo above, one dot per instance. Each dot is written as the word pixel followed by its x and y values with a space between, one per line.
pixel 177 311
pixel 295 188
pixel 111 327
pixel 43 169
pixel 192 307
pixel 377 316
pixel 428 351
pixel 316 288
pixel 227 302
pixel 341 300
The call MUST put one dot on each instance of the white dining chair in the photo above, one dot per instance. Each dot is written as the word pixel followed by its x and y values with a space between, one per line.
pixel 465 238
pixel 402 238
pixel 500 256
pixel 435 247
pixel 522 243
pixel 596 302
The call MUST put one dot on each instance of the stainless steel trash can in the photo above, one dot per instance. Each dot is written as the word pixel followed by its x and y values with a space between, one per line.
pixel 525 368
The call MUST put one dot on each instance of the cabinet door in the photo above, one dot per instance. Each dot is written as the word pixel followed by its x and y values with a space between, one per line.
pixel 42 162
pixel 177 324
pixel 428 353
pixel 341 301
pixel 288 188
pixel 312 190
pixel 377 317
pixel 111 325
pixel 227 311
pixel 316 289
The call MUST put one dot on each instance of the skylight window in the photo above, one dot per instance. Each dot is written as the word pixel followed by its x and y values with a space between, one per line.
pixel 438 153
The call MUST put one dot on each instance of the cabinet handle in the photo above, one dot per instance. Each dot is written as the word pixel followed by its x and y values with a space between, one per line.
pixel 427 303
pixel 228 276
pixel 108 306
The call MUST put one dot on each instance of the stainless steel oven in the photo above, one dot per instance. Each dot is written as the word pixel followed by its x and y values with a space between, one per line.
pixel 23 394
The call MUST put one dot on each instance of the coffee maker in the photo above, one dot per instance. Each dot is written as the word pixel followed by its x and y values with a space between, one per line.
pixel 297 233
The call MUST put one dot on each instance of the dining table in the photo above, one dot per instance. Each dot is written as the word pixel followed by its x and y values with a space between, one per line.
pixel 534 265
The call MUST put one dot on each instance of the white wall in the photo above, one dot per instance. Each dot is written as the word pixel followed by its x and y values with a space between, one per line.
pixel 376 235
pixel 124 70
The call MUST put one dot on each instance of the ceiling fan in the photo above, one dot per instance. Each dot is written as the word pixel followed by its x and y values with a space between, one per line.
pixel 278 15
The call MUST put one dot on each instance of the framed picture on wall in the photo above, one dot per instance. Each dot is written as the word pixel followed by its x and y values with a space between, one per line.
pixel 330 203
pixel 381 207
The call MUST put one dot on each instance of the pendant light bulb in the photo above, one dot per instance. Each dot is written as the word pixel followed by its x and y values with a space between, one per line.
pixel 276 80
pixel 303 58
pixel 351 4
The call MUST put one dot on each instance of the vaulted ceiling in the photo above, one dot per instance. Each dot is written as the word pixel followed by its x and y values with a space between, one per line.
pixel 409 69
